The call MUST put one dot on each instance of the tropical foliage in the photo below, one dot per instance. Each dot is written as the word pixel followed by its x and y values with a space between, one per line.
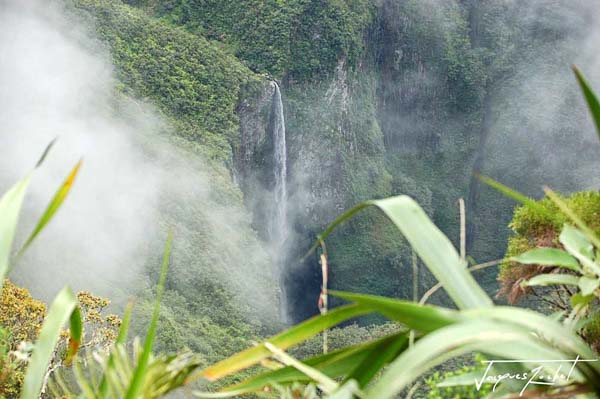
pixel 199 81
pixel 440 333
pixel 539 225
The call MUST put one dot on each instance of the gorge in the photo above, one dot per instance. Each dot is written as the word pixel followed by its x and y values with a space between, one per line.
pixel 375 98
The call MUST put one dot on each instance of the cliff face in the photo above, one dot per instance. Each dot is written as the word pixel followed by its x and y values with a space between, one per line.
pixel 416 108
pixel 380 98
pixel 253 159
pixel 369 128
pixel 336 159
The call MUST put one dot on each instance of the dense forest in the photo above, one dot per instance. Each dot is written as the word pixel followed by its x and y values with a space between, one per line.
pixel 246 127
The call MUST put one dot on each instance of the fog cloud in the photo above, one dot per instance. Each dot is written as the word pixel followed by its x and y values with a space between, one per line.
pixel 57 80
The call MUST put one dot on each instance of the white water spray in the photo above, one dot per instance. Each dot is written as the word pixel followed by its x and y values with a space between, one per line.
pixel 278 228
pixel 278 225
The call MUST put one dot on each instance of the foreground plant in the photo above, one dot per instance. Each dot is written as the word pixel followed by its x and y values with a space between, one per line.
pixel 531 343
pixel 440 334
pixel 118 374
pixel 514 341
pixel 64 308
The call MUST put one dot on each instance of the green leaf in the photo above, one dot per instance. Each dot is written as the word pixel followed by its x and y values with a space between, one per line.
pixel 42 158
pixel 326 384
pixel 580 299
pixel 424 318
pixel 486 336
pixel 576 242
pixel 75 331
pixel 562 205
pixel 335 364
pixel 543 280
pixel 53 206
pixel 349 390
pixel 590 98
pixel 548 257
pixel 124 329
pixel 588 285
pixel 463 379
pixel 10 208
pixel 510 193
pixel 121 340
pixel 377 359
pixel 64 307
pixel 142 365
pixel 283 340
pixel 546 330
pixel 432 246
pixel 578 245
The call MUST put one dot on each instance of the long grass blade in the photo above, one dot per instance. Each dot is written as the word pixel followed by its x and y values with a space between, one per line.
pixel 509 192
pixel 508 342
pixel 284 340
pixel 543 280
pixel 10 208
pixel 425 318
pixel 548 257
pixel 335 364
pixel 433 247
pixel 326 384
pixel 377 360
pixel 53 206
pixel 64 307
pixel 341 219
pixel 142 365
pixel 42 158
pixel 548 330
pixel 590 98
pixel 121 339
pixel 124 329
pixel 513 194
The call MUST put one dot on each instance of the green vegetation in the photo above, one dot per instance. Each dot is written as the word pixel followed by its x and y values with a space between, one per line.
pixel 22 312
pixel 298 39
pixel 440 334
pixel 381 98
pixel 538 225
pixel 196 85
pixel 24 316
pixel 427 335
pixel 194 82
pixel 451 384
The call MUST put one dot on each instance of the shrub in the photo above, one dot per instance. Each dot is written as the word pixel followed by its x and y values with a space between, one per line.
pixel 20 314
pixel 537 225
pixel 11 369
pixel 21 318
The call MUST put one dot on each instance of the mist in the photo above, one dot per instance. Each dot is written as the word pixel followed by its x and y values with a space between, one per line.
pixel 136 182
pixel 56 80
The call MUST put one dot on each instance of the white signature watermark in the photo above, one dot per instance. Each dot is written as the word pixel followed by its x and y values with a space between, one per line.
pixel 534 376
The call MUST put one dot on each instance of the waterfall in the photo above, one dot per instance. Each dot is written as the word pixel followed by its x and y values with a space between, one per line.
pixel 278 225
